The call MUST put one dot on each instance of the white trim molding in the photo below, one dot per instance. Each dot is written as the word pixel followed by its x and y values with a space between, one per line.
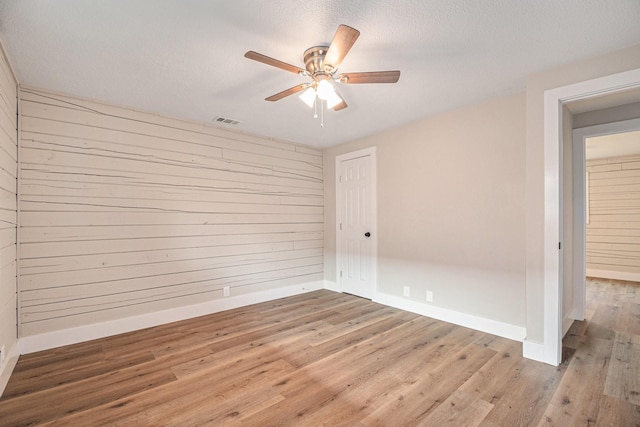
pixel 45 341
pixel 330 285
pixel 494 327
pixel 533 350
pixel 567 321
pixel 553 102
pixel 6 369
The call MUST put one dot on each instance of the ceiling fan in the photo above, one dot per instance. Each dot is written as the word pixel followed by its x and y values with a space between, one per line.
pixel 321 64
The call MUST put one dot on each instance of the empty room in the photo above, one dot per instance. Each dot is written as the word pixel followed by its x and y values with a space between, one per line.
pixel 340 213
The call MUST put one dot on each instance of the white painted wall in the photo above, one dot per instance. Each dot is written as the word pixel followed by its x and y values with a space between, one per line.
pixel 125 213
pixel 8 217
pixel 451 200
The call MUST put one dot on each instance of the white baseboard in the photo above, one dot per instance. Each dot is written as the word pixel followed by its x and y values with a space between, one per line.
pixel 45 341
pixel 567 321
pixel 576 314
pixel 533 350
pixel 616 275
pixel 7 367
pixel 330 285
pixel 506 330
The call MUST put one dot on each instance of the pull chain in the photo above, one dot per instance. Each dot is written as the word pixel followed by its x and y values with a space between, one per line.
pixel 315 107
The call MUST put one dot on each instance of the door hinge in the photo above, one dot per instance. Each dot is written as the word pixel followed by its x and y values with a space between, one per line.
pixel 559 245
pixel 340 273
pixel 340 226
pixel 340 178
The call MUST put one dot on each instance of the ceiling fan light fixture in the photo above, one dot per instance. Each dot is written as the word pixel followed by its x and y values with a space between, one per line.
pixel 308 96
pixel 333 99
pixel 325 90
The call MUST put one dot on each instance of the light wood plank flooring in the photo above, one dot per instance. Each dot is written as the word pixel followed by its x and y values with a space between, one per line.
pixel 332 359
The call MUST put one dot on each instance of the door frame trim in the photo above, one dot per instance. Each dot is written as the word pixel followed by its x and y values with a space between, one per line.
pixel 551 350
pixel 580 183
pixel 371 152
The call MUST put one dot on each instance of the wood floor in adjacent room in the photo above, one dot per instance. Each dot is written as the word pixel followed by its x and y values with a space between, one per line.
pixel 333 359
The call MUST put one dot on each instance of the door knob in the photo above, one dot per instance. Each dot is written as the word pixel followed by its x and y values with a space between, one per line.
pixel 367 234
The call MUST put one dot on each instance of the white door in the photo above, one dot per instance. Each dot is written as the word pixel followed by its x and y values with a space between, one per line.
pixel 356 233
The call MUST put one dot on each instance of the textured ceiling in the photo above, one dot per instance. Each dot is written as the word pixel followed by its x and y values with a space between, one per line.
pixel 184 58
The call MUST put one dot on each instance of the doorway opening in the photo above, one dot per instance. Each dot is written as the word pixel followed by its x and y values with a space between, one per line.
pixel 606 165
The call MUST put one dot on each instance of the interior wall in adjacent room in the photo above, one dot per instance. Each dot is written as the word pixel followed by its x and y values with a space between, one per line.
pixel 613 235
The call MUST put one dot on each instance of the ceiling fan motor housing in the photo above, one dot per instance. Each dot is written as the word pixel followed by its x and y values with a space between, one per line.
pixel 314 63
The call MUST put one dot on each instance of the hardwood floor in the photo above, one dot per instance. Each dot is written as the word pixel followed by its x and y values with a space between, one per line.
pixel 601 384
pixel 333 359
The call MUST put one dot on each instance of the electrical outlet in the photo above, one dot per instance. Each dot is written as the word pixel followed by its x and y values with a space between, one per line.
pixel 406 292
pixel 225 291
pixel 429 296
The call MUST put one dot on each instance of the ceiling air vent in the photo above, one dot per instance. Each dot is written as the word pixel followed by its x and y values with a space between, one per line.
pixel 226 120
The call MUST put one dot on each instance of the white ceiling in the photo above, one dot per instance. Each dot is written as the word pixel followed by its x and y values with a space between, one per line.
pixel 184 58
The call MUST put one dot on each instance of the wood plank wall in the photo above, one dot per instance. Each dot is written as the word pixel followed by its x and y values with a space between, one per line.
pixel 124 213
pixel 8 217
pixel 613 232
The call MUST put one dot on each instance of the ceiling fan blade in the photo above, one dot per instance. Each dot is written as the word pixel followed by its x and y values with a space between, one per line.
pixel 369 77
pixel 342 41
pixel 278 96
pixel 340 106
pixel 273 62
